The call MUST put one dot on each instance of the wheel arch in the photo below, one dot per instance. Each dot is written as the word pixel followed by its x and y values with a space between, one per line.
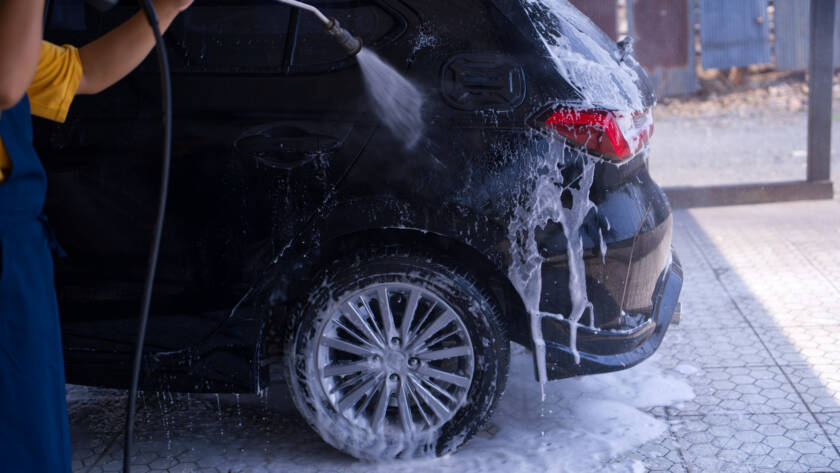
pixel 470 259
pixel 476 243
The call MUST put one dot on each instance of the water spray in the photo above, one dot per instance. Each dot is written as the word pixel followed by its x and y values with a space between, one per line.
pixel 351 44
pixel 398 102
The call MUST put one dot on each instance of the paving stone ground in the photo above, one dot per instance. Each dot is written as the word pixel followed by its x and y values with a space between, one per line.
pixel 759 344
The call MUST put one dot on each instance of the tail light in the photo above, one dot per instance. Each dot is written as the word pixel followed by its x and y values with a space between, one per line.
pixel 613 135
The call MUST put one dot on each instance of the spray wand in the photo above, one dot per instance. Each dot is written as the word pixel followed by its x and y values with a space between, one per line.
pixel 350 43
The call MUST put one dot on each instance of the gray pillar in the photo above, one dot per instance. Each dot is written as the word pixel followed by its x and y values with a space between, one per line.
pixel 820 75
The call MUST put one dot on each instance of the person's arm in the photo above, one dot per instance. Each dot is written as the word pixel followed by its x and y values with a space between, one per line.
pixel 21 27
pixel 111 57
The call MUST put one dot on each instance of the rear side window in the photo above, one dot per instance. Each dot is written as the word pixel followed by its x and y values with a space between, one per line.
pixel 586 57
pixel 236 35
pixel 562 25
pixel 221 36
pixel 316 51
pixel 75 22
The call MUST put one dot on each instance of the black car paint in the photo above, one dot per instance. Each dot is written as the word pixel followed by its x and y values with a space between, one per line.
pixel 280 165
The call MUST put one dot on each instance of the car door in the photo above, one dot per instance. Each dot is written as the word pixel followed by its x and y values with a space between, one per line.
pixel 269 116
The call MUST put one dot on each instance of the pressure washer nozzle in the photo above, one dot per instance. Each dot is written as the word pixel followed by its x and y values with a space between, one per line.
pixel 350 43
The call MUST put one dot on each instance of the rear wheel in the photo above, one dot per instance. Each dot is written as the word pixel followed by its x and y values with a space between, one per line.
pixel 396 355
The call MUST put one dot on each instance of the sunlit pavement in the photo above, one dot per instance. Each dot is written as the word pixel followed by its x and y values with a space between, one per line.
pixel 759 346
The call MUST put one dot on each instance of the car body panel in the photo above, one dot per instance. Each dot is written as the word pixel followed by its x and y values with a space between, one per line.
pixel 280 164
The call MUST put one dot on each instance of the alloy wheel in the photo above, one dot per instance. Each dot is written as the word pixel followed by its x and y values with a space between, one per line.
pixel 395 356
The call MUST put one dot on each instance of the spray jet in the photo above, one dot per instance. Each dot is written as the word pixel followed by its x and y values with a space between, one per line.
pixel 350 43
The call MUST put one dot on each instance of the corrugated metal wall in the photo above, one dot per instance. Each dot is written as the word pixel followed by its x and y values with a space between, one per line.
pixel 671 63
pixel 656 19
pixel 792 21
pixel 603 13
pixel 734 33
pixel 791 18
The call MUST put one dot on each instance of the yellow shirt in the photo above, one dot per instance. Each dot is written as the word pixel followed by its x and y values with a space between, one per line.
pixel 52 90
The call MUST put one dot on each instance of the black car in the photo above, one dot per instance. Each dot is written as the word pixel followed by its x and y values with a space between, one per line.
pixel 386 279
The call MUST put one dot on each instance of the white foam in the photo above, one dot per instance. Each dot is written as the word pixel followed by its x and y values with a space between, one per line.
pixel 540 205
pixel 585 424
pixel 589 64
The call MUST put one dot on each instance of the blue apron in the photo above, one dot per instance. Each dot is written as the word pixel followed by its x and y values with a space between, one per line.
pixel 34 434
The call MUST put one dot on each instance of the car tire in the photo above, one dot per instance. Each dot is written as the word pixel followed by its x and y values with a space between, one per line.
pixel 380 390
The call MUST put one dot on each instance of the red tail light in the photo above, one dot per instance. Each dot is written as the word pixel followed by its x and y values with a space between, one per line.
pixel 614 135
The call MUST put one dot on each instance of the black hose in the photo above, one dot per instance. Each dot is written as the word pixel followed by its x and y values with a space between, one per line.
pixel 166 88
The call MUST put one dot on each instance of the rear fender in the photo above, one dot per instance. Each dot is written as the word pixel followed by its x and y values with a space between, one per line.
pixel 343 225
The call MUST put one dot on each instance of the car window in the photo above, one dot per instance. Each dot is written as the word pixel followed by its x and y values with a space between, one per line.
pixel 236 36
pixel 75 22
pixel 586 56
pixel 559 22
pixel 369 20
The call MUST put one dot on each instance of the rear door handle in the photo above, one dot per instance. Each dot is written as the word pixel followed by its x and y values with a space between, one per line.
pixel 285 146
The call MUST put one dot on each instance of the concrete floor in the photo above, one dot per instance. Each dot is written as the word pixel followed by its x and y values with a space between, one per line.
pixel 764 145
pixel 759 344
pixel 762 327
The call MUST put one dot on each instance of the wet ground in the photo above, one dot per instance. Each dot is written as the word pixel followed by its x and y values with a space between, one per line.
pixel 748 382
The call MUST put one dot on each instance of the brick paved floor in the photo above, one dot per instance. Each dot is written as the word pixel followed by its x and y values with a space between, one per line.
pixel 758 344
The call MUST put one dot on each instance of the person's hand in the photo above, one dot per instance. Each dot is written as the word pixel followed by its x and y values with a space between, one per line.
pixel 111 57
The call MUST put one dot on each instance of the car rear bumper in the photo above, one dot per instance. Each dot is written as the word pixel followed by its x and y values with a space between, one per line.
pixel 610 350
